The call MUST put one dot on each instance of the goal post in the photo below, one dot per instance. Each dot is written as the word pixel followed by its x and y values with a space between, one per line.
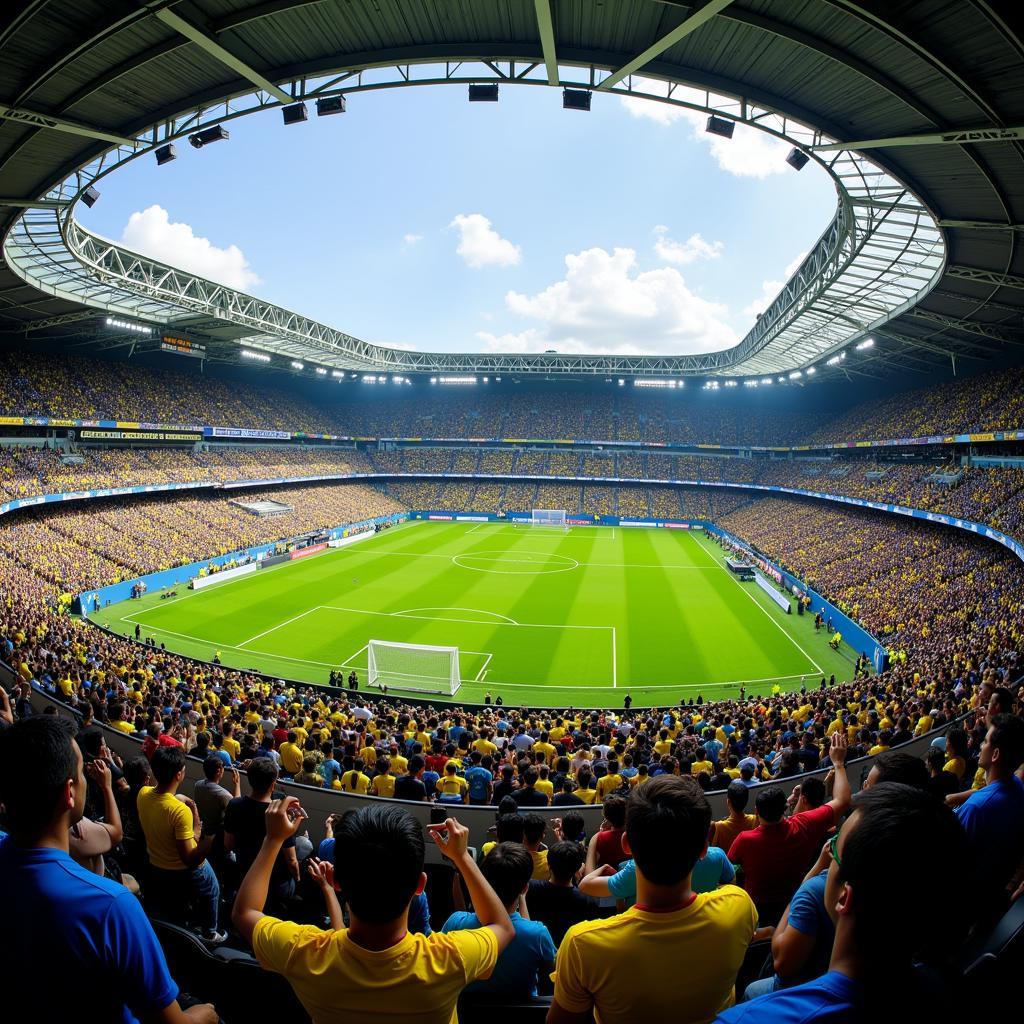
pixel 548 517
pixel 413 667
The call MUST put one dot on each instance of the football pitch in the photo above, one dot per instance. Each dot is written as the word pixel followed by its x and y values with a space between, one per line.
pixel 541 616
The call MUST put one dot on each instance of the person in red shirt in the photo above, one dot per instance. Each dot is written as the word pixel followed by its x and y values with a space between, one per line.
pixel 280 734
pixel 156 737
pixel 606 845
pixel 775 856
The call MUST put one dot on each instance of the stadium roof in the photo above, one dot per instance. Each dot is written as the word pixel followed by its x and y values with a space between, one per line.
pixel 916 110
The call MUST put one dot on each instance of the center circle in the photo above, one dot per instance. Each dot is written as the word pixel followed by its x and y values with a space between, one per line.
pixel 518 563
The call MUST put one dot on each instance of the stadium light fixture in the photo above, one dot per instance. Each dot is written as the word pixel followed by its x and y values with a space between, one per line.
pixel 782 380
pixel 487 93
pixel 766 380
pixel 720 126
pixel 456 380
pixel 338 374
pixel 836 359
pixel 797 159
pixel 218 133
pixel 295 113
pixel 750 383
pixel 795 375
pixel 622 382
pixel 731 384
pixel 128 325
pixel 433 380
pixel 576 99
pixel 487 380
pixel 321 371
pixel 165 154
pixel 296 365
pixel 866 343
pixel 259 357
pixel 810 371
pixel 90 197
pixel 327 105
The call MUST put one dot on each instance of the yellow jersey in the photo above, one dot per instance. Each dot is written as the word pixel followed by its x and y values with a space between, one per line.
pixel 164 819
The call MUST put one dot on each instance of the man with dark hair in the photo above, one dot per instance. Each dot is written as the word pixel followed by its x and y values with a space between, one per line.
pixel 897 766
pixel 410 786
pixel 178 869
pixel 534 830
pixel 557 902
pixel 211 797
pixel 376 968
pixel 775 856
pixel 528 796
pixel 940 782
pixel 725 831
pixel 245 828
pixel 619 969
pixel 895 831
pixel 507 869
pixel 993 817
pixel 91 926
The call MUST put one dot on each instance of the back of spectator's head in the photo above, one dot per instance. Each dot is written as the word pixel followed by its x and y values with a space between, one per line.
pixel 615 811
pixel 378 861
pixel 530 776
pixel 41 775
pixel 812 791
pixel 90 741
pixel 572 824
pixel 667 824
pixel 771 804
pixel 507 806
pixel 1004 743
pixel 895 831
pixel 508 868
pixel 564 860
pixel 935 757
pixel 897 766
pixel 262 772
pixel 416 764
pixel 166 763
pixel 212 767
pixel 737 796
pixel 956 742
pixel 510 828
pixel 534 828
pixel 136 772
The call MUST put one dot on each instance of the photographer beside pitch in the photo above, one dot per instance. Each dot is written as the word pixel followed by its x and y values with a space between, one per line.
pixel 375 969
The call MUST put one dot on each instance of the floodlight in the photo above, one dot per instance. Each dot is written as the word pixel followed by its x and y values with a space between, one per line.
pixel 165 154
pixel 296 365
pixel 295 113
pixel 327 105
pixel 483 93
pixel 720 126
pixel 218 133
pixel 90 196
pixel 866 343
pixel 576 99
pixel 797 159
pixel 810 371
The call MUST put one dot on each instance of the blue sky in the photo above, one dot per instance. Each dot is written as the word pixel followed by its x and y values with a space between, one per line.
pixel 419 219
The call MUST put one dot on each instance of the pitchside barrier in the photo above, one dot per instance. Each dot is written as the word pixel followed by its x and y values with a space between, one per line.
pixel 319 803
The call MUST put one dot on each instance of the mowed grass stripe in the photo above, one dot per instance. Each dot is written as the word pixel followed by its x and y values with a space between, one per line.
pixel 679 618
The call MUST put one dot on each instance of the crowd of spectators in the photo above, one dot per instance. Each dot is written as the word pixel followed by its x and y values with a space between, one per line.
pixel 80 547
pixel 63 386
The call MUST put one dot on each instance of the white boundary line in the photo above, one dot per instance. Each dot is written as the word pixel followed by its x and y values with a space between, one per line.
pixel 541 571
pixel 452 608
pixel 615 661
pixel 280 625
pixel 483 670
pixel 771 619
pixel 471 622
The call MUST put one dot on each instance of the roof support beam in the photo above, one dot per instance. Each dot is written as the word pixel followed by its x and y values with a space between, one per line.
pixel 547 38
pixel 986 277
pixel 210 45
pixel 688 25
pixel 35 204
pixel 981 225
pixel 969 326
pixel 60 124
pixel 956 137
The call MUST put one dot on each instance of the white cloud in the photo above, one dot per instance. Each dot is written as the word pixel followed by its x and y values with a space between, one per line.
pixel 693 249
pixel 152 233
pixel 604 304
pixel 480 245
pixel 411 239
pixel 769 289
pixel 750 153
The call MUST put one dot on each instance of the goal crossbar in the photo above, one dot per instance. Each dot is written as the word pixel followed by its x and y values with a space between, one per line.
pixel 548 517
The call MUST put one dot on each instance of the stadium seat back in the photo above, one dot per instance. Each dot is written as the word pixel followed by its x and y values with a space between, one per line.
pixel 997 955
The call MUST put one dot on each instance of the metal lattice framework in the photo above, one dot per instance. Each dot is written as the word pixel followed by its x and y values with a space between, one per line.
pixel 880 255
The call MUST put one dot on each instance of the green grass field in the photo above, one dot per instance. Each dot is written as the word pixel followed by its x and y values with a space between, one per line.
pixel 541 616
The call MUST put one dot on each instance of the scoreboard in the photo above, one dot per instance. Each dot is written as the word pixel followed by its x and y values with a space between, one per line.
pixel 182 346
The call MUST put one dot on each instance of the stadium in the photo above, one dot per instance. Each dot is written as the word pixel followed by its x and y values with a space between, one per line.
pixel 613 626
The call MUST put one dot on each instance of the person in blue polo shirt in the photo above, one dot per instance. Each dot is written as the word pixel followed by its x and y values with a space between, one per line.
pixel 895 831
pixel 98 944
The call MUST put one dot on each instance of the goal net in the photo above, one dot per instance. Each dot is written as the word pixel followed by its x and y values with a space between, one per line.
pixel 413 667
pixel 548 517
